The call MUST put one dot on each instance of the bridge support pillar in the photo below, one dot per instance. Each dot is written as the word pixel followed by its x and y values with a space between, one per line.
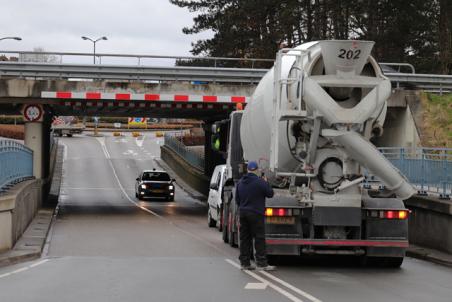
pixel 34 141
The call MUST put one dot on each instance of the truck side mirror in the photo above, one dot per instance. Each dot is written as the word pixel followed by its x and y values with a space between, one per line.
pixel 138 179
pixel 214 186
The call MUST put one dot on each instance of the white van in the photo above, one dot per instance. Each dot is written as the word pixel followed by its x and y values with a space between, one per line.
pixel 214 213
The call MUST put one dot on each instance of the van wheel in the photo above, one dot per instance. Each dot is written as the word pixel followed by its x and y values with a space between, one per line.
pixel 210 221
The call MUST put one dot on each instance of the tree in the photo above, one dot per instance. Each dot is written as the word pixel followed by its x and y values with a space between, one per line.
pixel 404 31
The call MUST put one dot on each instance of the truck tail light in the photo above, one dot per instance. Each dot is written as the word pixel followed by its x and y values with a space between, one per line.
pixel 278 212
pixel 388 214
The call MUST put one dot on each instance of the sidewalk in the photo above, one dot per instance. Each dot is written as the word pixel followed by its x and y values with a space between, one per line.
pixel 32 242
pixel 431 255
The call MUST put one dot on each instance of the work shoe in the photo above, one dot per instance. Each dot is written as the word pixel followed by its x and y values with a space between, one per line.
pixel 248 267
pixel 266 268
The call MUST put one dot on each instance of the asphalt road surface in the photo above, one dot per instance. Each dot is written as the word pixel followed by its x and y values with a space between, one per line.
pixel 105 245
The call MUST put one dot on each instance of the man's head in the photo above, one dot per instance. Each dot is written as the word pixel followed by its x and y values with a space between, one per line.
pixel 252 167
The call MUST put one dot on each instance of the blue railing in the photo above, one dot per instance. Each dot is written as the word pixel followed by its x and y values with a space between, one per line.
pixel 430 169
pixel 193 158
pixel 16 163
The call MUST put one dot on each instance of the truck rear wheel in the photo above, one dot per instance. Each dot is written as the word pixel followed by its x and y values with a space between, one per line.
pixel 225 224
pixel 231 233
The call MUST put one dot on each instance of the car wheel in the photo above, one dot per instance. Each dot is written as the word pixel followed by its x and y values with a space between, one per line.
pixel 210 221
pixel 136 195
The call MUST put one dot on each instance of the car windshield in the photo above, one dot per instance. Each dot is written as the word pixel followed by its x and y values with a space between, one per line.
pixel 155 176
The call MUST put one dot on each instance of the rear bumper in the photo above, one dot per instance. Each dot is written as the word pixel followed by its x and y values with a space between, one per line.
pixel 338 243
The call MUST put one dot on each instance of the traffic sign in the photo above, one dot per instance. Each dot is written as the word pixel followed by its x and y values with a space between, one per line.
pixel 33 113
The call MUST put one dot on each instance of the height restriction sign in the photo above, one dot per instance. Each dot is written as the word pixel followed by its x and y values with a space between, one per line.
pixel 32 113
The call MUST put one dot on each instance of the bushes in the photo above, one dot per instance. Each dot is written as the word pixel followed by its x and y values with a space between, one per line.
pixel 12 131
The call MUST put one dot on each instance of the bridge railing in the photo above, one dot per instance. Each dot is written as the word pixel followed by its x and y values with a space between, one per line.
pixel 134 59
pixel 428 169
pixel 175 143
pixel 16 163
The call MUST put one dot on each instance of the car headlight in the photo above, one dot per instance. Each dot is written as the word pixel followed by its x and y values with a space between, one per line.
pixel 171 187
pixel 143 186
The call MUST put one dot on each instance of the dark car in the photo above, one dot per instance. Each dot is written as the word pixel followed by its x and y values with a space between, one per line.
pixel 153 183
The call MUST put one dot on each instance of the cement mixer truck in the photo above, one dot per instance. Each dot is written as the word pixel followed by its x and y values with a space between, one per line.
pixel 309 125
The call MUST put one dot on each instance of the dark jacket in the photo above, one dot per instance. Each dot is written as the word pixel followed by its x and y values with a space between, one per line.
pixel 251 192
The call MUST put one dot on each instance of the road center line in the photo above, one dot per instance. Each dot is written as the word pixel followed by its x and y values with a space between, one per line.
pixel 268 283
pixel 23 269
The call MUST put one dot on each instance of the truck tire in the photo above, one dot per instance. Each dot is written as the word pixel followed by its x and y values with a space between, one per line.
pixel 210 221
pixel 220 220
pixel 225 225
pixel 69 135
pixel 231 233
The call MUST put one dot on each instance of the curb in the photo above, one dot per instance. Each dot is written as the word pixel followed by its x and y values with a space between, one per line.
pixel 31 244
pixel 430 255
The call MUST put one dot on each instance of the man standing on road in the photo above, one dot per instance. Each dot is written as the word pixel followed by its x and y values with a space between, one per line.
pixel 250 198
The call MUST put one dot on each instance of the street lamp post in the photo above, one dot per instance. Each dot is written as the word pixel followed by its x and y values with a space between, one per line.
pixel 11 38
pixel 94 45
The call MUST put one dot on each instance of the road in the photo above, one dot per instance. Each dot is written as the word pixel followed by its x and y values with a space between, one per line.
pixel 105 245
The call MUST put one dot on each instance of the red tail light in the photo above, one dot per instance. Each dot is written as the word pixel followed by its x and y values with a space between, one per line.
pixel 278 212
pixel 389 214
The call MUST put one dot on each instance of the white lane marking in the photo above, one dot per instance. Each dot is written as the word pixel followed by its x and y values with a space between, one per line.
pixel 140 142
pixel 268 283
pixel 101 140
pixel 291 287
pixel 64 151
pixel 107 155
pixel 23 269
pixel 254 285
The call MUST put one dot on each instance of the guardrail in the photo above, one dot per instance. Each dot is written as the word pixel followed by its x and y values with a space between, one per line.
pixel 174 143
pixel 431 82
pixel 16 163
pixel 130 73
pixel 139 59
pixel 428 169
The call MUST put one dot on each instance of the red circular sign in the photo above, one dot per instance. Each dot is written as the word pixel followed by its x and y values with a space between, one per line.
pixel 32 113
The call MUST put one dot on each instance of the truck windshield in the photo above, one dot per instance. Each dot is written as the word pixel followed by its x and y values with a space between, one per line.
pixel 155 176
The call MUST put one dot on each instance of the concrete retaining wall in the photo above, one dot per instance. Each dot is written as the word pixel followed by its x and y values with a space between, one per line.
pixel 17 209
pixel 430 223
pixel 194 177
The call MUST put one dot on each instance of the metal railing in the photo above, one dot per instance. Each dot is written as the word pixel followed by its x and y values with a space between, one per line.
pixel 428 169
pixel 16 163
pixel 131 59
pixel 175 143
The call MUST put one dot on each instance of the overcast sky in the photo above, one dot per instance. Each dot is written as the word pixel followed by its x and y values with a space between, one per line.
pixel 132 26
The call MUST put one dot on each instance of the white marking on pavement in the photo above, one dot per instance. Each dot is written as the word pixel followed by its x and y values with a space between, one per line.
pixel 290 286
pixel 107 155
pixel 268 283
pixel 23 269
pixel 140 142
pixel 253 285
pixel 64 151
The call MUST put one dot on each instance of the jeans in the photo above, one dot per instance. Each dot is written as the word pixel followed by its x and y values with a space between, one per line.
pixel 252 226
